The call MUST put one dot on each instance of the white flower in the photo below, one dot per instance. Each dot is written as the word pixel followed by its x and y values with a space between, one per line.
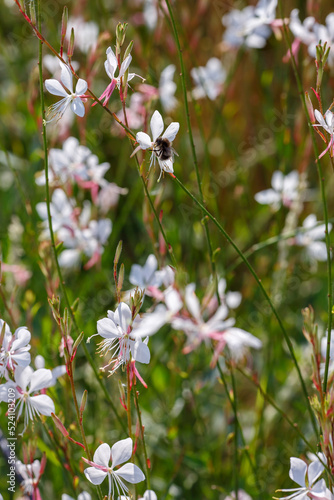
pixel 14 349
pixel 328 124
pixel 82 496
pixel 231 299
pixel 74 163
pixel 303 31
pixel 61 209
pixel 167 88
pixel 70 99
pixel 312 488
pixel 147 275
pixel 310 239
pixel 284 190
pixel 217 328
pixel 250 26
pixel 31 474
pixel 120 339
pixel 111 66
pixel 157 144
pixel 208 79
pixel 27 382
pixel 119 453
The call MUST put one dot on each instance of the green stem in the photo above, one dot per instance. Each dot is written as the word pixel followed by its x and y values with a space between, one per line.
pixel 148 482
pixel 252 465
pixel 266 396
pixel 263 290
pixel 52 237
pixel 324 201
pixel 236 428
pixel 191 138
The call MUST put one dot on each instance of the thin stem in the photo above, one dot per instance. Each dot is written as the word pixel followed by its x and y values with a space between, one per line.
pixel 148 481
pixel 191 138
pixel 263 290
pixel 52 237
pixel 269 400
pixel 324 201
pixel 252 465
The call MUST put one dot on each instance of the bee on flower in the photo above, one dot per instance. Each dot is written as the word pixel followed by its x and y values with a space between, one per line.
pixel 160 145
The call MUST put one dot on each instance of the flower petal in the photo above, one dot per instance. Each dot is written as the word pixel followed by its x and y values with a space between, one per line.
pixel 95 476
pixel 123 316
pixel 55 88
pixel 66 77
pixel 171 131
pixel 315 470
pixel 43 404
pixel 131 473
pixel 22 338
pixel 107 329
pixel 78 107
pixel 125 64
pixel 81 87
pixel 40 379
pixel 140 352
pixel 102 455
pixel 121 452
pixel 157 125
pixel 144 140
pixel 297 471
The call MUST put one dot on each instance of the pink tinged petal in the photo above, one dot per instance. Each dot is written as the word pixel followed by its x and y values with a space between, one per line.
pixel 102 455
pixel 144 140
pixel 95 476
pixel 77 107
pixel 43 404
pixel 55 88
pixel 297 471
pixel 23 337
pixel 140 352
pixel 171 131
pixel 319 490
pixel 121 452
pixel 81 87
pixel 131 473
pixel 66 77
pixel 157 125
pixel 315 470
pixel 125 64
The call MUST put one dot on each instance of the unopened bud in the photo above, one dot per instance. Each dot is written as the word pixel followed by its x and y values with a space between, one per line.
pixel 70 49
pixel 310 108
pixel 118 252
pixel 83 402
pixel 128 49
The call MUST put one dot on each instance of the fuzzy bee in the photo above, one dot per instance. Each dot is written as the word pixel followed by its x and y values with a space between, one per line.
pixel 161 145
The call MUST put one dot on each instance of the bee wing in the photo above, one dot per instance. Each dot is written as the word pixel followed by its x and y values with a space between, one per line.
pixel 171 131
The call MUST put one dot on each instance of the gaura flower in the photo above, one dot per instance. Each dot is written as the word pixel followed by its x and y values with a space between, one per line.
pixel 307 478
pixel 27 383
pixel 119 453
pixel 111 65
pixel 120 339
pixel 14 349
pixel 70 98
pixel 160 145
pixel 327 124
